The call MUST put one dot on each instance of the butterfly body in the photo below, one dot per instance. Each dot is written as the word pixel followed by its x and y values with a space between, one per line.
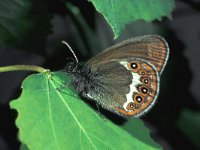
pixel 124 78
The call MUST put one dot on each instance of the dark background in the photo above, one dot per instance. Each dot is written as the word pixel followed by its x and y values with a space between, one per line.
pixel 173 121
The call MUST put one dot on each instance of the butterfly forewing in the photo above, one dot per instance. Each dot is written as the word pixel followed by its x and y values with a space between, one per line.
pixel 152 48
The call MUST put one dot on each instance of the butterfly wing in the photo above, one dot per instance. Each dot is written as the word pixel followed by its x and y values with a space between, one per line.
pixel 109 84
pixel 152 48
pixel 126 79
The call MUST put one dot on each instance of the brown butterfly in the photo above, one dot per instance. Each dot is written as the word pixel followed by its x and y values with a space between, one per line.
pixel 124 78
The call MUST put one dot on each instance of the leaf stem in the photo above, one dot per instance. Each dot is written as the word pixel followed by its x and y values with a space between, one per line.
pixel 23 68
pixel 92 43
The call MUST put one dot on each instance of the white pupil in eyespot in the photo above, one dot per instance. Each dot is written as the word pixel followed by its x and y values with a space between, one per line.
pixel 146 81
pixel 134 65
pixel 144 90
pixel 138 99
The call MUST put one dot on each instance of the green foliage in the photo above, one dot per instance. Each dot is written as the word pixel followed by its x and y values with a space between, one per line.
pixel 53 117
pixel 49 118
pixel 14 21
pixel 23 147
pixel 118 13
pixel 136 128
pixel 30 20
pixel 24 23
pixel 189 123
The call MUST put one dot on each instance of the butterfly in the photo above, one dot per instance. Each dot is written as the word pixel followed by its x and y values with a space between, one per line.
pixel 124 78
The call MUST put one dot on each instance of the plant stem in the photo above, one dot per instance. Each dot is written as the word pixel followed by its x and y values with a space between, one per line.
pixel 88 36
pixel 23 68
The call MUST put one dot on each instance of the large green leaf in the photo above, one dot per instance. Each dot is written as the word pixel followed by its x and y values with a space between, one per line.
pixel 118 13
pixel 55 118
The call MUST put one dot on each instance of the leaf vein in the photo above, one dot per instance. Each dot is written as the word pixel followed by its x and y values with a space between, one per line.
pixel 50 115
pixel 81 139
pixel 100 140
pixel 73 115
pixel 113 11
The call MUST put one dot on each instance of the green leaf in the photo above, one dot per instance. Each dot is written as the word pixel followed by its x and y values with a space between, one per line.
pixel 189 123
pixel 55 118
pixel 118 13
pixel 23 147
pixel 140 132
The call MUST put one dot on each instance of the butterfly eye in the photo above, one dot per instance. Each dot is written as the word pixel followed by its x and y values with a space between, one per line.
pixel 138 98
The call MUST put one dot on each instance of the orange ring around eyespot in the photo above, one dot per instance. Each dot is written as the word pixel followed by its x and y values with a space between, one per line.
pixel 134 70
pixel 141 92
pixel 146 100
pixel 143 80
pixel 153 77
pixel 138 95
pixel 142 72
pixel 129 107
pixel 135 111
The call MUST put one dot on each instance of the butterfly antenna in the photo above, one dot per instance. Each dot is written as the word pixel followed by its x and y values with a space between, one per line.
pixel 71 51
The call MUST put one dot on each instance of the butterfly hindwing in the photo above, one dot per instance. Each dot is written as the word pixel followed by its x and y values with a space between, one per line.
pixel 111 82
pixel 143 89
